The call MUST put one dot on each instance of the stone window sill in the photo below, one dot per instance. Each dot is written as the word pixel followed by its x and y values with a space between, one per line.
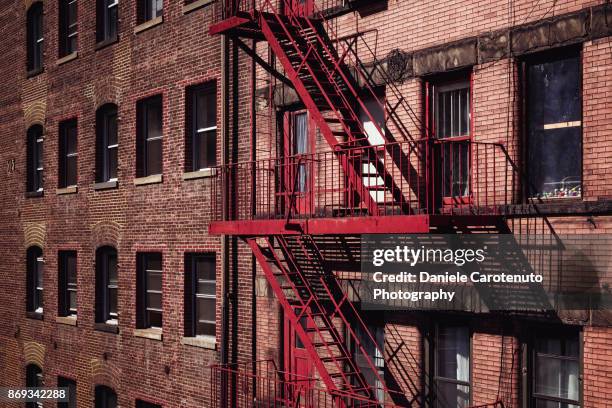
pixel 31 194
pixel 202 342
pixel 67 58
pixel 199 174
pixel 105 185
pixel 151 334
pixel 67 190
pixel 142 181
pixel 187 8
pixel 148 24
pixel 35 315
pixel 105 327
pixel 68 320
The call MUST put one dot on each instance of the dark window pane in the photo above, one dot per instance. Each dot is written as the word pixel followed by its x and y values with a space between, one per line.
pixel 452 395
pixel 554 111
pixel 154 118
pixel 63 382
pixel 205 329
pixel 111 124
pixel 206 287
pixel 154 262
pixel 105 397
pixel 205 267
pixel 112 302
pixel 206 108
pixel 453 353
pixel 206 309
pixel 71 171
pixel 154 156
pixel 35 37
pixel 154 280
pixel 154 300
pixel 557 369
pixel 112 163
pixel 154 318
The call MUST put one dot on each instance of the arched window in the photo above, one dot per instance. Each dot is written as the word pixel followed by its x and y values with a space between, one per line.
pixel 106 285
pixel 35 38
pixel 34 159
pixel 105 397
pixel 34 378
pixel 107 143
pixel 34 279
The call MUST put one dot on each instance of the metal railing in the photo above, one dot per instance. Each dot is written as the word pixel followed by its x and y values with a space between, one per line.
pixel 441 176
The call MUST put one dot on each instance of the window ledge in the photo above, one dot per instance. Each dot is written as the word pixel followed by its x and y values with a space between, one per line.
pixel 67 190
pixel 152 334
pixel 105 185
pixel 203 342
pixel 105 327
pixel 154 179
pixel 68 320
pixel 31 194
pixel 148 24
pixel 35 315
pixel 200 174
pixel 34 72
pixel 106 43
pixel 67 58
pixel 187 8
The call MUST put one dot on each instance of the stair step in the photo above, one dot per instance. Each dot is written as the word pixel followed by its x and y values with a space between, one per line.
pixel 340 375
pixel 331 359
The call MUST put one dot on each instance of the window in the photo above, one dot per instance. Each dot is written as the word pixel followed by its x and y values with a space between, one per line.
pixel 68 153
pixel 34 280
pixel 144 404
pixel 35 39
pixel 34 178
pixel 554 125
pixel 556 371
pixel 149 137
pixel 450 124
pixel 374 354
pixel 105 397
pixel 106 285
pixel 452 367
pixel 149 286
pixel 200 294
pixel 107 143
pixel 107 16
pixel 201 114
pixel 34 378
pixel 63 382
pixel 68 27
pixel 67 285
pixel 149 10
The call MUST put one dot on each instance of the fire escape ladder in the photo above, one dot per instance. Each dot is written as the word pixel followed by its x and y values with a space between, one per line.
pixel 323 83
pixel 317 314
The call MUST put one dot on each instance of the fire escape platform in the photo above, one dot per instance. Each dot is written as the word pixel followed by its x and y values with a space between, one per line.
pixel 394 224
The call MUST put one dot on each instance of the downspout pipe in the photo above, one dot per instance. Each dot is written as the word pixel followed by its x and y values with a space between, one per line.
pixel 225 201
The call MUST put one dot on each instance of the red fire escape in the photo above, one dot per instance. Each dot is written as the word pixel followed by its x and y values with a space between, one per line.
pixel 362 186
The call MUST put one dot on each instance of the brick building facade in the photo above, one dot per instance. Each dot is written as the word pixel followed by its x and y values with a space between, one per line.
pixel 163 203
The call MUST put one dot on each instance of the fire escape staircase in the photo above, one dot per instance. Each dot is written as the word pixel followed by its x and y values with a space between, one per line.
pixel 323 315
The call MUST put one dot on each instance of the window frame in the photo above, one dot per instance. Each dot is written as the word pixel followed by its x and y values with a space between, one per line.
pixel 104 170
pixel 35 37
pixel 434 373
pixel 104 286
pixel 34 274
pixel 71 384
pixel 68 31
pixel 35 159
pixel 101 395
pixel 195 134
pixel 192 294
pixel 532 354
pixel 524 62
pixel 142 303
pixel 143 108
pixel 65 288
pixel 145 10
pixel 34 378
pixel 104 22
pixel 444 194
pixel 64 156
